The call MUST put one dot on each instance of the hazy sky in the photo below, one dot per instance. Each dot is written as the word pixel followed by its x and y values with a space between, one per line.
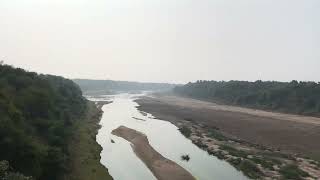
pixel 163 40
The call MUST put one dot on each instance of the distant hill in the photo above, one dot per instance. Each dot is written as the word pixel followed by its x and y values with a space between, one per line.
pixel 290 97
pixel 37 116
pixel 110 87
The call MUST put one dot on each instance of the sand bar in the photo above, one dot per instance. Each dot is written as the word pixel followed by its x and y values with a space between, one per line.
pixel 161 167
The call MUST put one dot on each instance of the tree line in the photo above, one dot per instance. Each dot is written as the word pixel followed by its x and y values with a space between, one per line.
pixel 37 115
pixel 112 87
pixel 290 97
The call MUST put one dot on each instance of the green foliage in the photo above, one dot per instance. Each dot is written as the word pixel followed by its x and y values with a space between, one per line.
pixel 185 131
pixel 294 97
pixel 213 133
pixel 5 174
pixel 292 172
pixel 248 168
pixel 233 151
pixel 37 113
pixel 264 162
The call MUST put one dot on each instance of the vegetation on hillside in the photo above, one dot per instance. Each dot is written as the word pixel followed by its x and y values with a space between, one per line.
pixel 291 97
pixel 7 174
pixel 37 116
pixel 84 150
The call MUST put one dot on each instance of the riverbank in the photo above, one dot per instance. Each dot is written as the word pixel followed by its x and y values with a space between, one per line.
pixel 259 146
pixel 84 150
pixel 162 168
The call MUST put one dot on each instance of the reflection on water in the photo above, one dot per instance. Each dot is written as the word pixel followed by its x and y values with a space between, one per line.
pixel 123 164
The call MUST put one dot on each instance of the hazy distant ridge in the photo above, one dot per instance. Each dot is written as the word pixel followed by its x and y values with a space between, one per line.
pixel 109 86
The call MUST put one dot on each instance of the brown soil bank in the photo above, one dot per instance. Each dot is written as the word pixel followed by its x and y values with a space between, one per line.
pixel 162 168
pixel 290 133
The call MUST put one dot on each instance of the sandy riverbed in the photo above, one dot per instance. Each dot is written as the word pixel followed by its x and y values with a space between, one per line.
pixel 251 134
pixel 162 168
pixel 292 133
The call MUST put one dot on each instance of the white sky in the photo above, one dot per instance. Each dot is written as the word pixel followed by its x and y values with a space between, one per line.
pixel 163 40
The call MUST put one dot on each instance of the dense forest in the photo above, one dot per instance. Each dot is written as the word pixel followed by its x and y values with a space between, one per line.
pixel 290 97
pixel 37 113
pixel 110 87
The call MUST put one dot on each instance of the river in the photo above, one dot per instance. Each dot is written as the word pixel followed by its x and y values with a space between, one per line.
pixel 122 162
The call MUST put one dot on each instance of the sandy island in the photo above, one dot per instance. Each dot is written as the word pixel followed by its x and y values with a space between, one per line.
pixel 162 168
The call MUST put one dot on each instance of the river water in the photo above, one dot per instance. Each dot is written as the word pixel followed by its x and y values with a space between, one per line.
pixel 122 162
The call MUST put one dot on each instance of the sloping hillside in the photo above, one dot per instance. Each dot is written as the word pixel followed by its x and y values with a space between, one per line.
pixel 37 113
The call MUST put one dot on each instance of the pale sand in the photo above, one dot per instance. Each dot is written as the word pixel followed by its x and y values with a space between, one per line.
pixel 198 104
pixel 289 133
pixel 162 168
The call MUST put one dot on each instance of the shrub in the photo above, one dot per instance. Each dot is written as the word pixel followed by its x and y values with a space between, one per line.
pixel 293 172
pixel 185 131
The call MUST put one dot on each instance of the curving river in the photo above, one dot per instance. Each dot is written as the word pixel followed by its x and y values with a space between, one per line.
pixel 122 162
